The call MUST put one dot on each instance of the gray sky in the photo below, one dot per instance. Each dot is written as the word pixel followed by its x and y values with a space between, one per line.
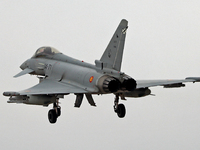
pixel 162 42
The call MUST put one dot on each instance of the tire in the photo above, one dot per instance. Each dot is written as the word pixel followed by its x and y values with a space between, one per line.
pixel 121 111
pixel 52 116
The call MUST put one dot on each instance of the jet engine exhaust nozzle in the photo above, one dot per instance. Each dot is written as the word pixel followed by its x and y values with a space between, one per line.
pixel 108 84
pixel 128 84
pixel 111 85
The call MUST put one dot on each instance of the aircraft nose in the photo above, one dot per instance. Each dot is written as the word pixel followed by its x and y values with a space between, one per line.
pixel 24 65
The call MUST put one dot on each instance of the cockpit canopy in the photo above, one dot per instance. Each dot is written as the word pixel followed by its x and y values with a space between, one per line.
pixel 46 52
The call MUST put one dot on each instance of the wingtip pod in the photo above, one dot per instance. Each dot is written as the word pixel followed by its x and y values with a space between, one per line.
pixel 11 94
pixel 196 79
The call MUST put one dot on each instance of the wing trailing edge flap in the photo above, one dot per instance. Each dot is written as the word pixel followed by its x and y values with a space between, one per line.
pixel 48 86
pixel 166 83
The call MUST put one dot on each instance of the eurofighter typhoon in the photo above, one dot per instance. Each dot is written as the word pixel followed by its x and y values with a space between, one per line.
pixel 60 75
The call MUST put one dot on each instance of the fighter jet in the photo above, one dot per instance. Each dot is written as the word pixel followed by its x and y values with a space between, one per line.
pixel 60 75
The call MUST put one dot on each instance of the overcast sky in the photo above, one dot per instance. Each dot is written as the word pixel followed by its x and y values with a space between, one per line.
pixel 162 42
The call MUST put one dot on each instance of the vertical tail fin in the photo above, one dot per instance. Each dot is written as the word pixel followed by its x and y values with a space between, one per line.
pixel 112 56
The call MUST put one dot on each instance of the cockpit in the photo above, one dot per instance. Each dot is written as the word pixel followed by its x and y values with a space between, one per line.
pixel 46 52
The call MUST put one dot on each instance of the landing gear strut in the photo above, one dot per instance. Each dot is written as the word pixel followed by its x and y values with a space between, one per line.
pixel 54 113
pixel 119 108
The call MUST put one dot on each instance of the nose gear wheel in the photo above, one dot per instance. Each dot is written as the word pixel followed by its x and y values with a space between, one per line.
pixel 54 113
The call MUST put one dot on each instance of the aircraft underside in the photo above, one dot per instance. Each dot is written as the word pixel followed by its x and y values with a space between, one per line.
pixel 55 112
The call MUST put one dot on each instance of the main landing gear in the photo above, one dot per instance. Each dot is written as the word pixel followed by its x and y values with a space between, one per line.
pixel 54 113
pixel 119 108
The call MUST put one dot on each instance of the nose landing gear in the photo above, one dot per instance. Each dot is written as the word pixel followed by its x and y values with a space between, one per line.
pixel 119 108
pixel 54 113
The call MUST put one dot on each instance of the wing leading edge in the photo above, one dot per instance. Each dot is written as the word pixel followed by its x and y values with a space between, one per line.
pixel 49 86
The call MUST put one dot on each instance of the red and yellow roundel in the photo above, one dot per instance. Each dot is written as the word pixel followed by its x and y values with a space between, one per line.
pixel 91 79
